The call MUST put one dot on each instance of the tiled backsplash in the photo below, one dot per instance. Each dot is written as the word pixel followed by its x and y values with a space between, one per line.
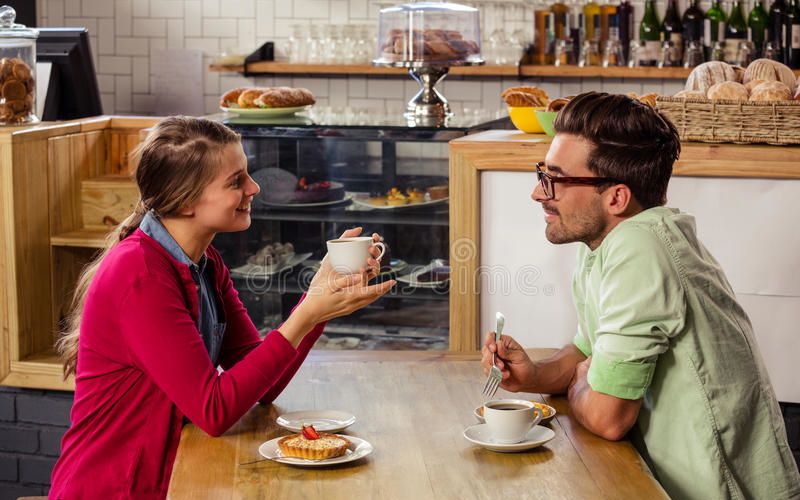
pixel 124 34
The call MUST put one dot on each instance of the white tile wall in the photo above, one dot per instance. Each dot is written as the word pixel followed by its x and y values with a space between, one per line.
pixel 125 32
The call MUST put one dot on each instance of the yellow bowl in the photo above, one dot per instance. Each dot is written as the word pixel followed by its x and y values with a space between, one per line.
pixel 546 120
pixel 525 119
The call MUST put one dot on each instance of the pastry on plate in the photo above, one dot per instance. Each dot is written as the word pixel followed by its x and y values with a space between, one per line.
pixel 313 445
pixel 438 192
pixel 231 97
pixel 415 195
pixel 248 97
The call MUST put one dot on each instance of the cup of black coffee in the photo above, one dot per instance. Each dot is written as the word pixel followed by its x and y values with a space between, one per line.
pixel 509 420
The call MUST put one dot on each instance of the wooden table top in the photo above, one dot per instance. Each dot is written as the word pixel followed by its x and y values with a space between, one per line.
pixel 413 408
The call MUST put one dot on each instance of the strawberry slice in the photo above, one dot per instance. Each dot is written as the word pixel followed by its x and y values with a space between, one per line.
pixel 309 432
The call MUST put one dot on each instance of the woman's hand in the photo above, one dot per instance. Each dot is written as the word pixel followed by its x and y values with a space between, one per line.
pixel 332 295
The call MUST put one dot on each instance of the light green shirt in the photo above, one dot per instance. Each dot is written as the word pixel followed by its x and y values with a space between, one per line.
pixel 661 322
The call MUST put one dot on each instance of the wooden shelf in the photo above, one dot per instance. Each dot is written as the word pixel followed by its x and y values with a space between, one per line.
pixel 599 72
pixel 42 370
pixel 82 238
pixel 281 68
pixel 489 70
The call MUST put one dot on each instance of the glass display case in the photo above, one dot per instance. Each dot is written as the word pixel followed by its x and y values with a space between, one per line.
pixel 329 171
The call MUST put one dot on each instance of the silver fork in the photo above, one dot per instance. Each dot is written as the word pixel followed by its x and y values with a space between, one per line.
pixel 495 376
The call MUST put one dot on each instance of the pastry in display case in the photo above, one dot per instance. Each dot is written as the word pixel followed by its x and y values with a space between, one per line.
pixel 428 38
pixel 331 173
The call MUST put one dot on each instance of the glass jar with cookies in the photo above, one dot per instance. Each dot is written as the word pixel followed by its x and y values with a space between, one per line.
pixel 17 70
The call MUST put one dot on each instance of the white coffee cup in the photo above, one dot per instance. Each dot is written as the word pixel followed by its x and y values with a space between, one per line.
pixel 509 420
pixel 349 255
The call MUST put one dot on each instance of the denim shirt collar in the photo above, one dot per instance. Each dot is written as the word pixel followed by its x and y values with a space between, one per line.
pixel 153 228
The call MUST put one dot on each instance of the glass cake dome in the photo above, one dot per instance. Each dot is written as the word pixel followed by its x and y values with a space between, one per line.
pixel 428 38
pixel 429 33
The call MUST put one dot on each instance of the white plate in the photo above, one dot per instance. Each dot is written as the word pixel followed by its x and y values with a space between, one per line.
pixel 322 420
pixel 551 413
pixel 411 278
pixel 265 111
pixel 363 202
pixel 359 448
pixel 344 201
pixel 537 436
pixel 249 270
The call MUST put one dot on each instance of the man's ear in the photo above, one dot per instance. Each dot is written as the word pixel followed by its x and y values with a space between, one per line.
pixel 619 199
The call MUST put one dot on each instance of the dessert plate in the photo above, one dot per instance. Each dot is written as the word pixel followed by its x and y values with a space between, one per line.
pixel 330 204
pixel 537 436
pixel 359 448
pixel 363 203
pixel 412 278
pixel 549 412
pixel 248 270
pixel 265 111
pixel 322 420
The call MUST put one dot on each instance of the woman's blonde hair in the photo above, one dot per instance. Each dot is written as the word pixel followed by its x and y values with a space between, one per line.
pixel 172 166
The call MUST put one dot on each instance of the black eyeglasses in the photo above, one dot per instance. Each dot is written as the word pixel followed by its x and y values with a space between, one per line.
pixel 549 182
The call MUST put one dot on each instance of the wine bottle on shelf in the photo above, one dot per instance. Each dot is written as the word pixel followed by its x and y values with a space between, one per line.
pixel 607 11
pixel 735 32
pixel 650 34
pixel 791 48
pixel 625 22
pixel 560 12
pixel 775 30
pixel 713 27
pixel 672 30
pixel 540 16
pixel 757 23
pixel 590 11
pixel 612 53
pixel 693 22
pixel 577 34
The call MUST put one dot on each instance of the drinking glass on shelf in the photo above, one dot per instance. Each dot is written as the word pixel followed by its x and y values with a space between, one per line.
pixel 564 53
pixel 613 54
pixel 296 47
pixel 772 51
pixel 718 52
pixel 745 52
pixel 670 55
pixel 693 55
pixel 363 48
pixel 347 45
pixel 637 51
pixel 590 54
pixel 313 55
pixel 329 44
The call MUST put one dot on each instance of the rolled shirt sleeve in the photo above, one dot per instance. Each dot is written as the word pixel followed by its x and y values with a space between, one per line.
pixel 635 303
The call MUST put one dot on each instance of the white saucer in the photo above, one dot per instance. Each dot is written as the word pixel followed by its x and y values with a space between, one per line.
pixel 537 436
pixel 359 448
pixel 322 420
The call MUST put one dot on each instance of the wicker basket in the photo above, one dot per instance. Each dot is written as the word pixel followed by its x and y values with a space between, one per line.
pixel 733 121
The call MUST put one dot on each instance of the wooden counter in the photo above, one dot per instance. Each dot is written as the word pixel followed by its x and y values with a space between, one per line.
pixel 413 408
pixel 44 239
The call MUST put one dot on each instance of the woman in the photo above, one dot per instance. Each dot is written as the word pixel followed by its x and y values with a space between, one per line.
pixel 156 314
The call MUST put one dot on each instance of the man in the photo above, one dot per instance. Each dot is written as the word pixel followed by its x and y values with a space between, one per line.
pixel 663 353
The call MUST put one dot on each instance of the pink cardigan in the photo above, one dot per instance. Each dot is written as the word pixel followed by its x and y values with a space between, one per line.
pixel 142 367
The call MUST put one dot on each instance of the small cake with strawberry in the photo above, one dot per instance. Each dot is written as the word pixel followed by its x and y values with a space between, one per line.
pixel 313 445
pixel 316 192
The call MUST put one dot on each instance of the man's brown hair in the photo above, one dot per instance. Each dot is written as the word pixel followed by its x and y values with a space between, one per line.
pixel 633 142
